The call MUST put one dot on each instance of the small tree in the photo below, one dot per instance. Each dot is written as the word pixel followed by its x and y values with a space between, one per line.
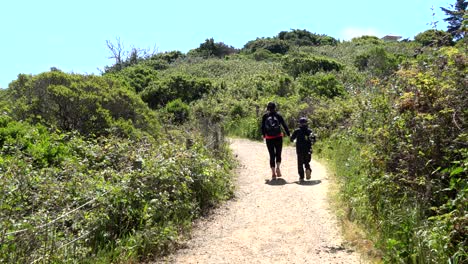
pixel 124 58
pixel 455 19
pixel 117 51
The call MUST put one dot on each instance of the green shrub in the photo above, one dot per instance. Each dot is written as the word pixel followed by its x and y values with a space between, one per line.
pixel 177 86
pixel 363 40
pixel 304 63
pixel 378 61
pixel 179 110
pixel 239 109
pixel 138 76
pixel 273 45
pixel 264 54
pixel 434 38
pixel 303 37
pixel 169 57
pixel 320 84
pixel 280 85
pixel 212 49
pixel 88 104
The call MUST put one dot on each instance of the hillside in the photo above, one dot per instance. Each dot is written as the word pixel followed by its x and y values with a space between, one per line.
pixel 115 168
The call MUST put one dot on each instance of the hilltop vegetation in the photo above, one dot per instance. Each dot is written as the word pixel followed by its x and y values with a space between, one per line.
pixel 115 167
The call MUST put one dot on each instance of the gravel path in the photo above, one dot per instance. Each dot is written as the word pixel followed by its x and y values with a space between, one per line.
pixel 269 222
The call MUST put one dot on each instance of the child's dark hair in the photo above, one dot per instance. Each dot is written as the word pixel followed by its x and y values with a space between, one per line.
pixel 303 121
pixel 271 107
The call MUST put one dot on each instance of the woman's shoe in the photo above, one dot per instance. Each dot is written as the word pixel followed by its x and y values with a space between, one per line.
pixel 278 172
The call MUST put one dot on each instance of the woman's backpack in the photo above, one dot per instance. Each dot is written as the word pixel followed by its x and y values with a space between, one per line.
pixel 272 125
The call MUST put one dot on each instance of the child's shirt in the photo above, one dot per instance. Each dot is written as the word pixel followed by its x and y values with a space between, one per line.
pixel 304 139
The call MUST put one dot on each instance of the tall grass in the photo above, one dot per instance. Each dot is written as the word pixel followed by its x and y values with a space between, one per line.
pixel 396 224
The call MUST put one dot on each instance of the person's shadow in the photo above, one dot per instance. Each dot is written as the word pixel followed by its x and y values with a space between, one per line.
pixel 308 183
pixel 278 181
pixel 281 181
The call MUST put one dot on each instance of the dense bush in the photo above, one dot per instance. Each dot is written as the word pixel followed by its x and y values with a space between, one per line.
pixel 303 37
pixel 88 104
pixel 378 61
pixel 212 49
pixel 179 111
pixel 320 84
pixel 187 88
pixel 362 40
pixel 169 57
pixel 138 77
pixel 304 63
pixel 434 38
pixel 273 45
pixel 264 54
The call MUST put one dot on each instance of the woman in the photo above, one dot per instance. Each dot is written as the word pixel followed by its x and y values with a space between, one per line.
pixel 271 131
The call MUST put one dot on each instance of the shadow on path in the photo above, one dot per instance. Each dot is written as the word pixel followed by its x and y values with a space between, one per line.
pixel 278 181
pixel 306 183
pixel 281 181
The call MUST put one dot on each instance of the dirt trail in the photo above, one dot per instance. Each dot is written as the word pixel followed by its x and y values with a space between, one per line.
pixel 269 222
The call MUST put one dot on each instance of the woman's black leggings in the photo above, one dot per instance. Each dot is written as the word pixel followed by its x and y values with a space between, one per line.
pixel 274 145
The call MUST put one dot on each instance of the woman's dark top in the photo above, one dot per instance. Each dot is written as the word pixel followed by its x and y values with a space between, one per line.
pixel 271 125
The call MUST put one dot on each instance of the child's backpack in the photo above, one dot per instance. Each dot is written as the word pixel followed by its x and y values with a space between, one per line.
pixel 272 126
pixel 310 137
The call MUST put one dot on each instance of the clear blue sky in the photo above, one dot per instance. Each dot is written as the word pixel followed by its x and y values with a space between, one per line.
pixel 71 35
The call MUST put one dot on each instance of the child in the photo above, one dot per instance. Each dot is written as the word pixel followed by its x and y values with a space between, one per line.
pixel 304 140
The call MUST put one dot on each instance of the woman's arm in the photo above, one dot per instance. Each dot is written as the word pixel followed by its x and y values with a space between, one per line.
pixel 283 124
pixel 263 125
